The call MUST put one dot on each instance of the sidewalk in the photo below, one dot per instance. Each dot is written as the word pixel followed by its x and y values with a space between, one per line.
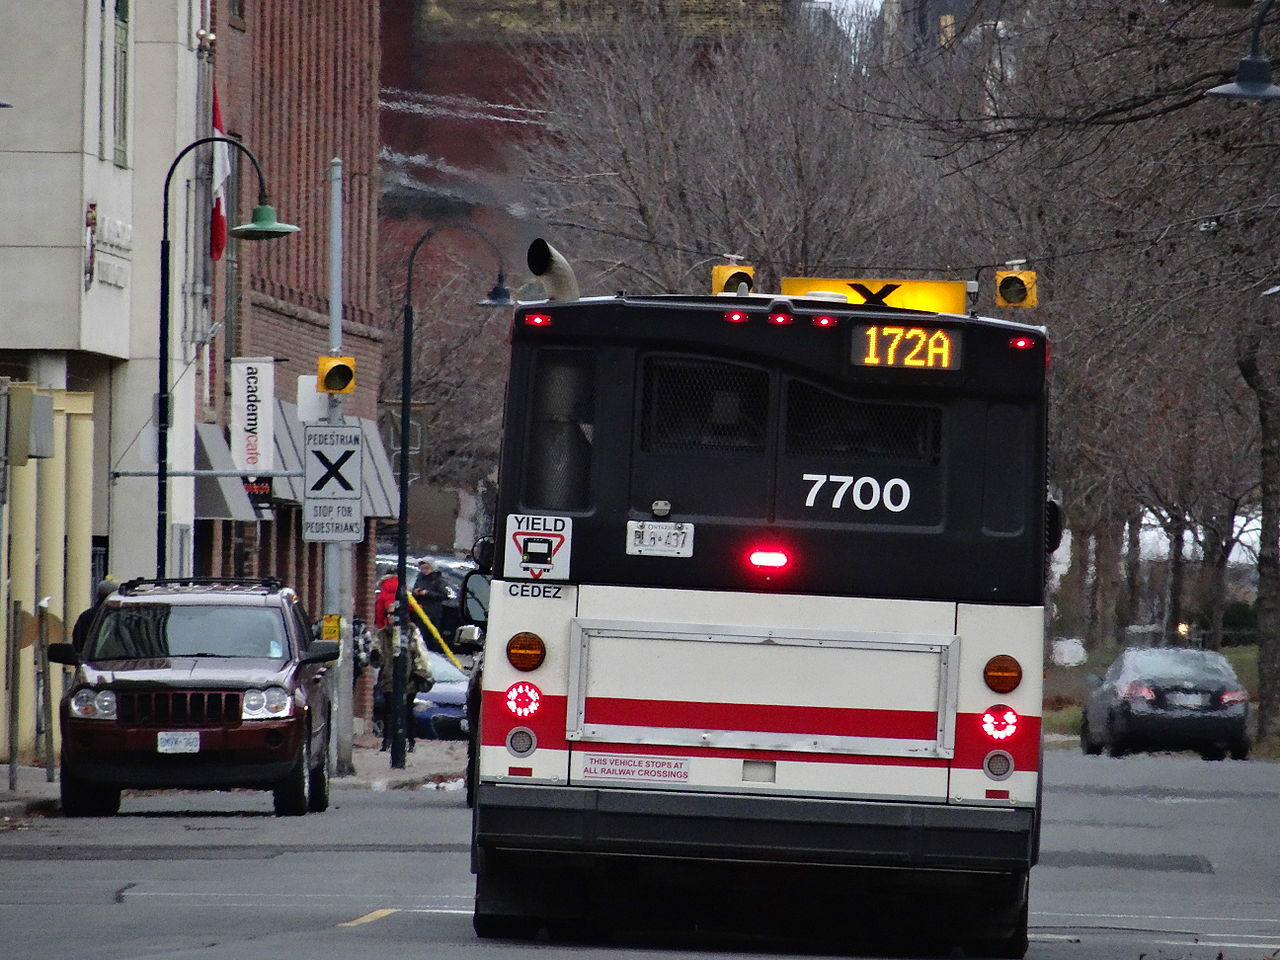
pixel 433 764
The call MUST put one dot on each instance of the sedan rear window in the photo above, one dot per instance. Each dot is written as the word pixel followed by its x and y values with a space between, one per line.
pixel 141 631
pixel 1176 664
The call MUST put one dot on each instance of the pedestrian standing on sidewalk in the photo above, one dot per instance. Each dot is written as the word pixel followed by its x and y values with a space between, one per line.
pixel 383 657
pixel 429 591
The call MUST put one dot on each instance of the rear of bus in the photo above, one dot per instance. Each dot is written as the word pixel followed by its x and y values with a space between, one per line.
pixel 765 594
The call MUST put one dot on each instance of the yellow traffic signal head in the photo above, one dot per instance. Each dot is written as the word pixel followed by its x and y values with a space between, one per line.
pixel 1016 288
pixel 726 277
pixel 336 374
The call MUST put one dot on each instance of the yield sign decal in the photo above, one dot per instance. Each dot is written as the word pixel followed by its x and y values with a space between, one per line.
pixel 537 548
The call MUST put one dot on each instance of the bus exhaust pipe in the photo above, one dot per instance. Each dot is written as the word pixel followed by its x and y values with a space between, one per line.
pixel 549 265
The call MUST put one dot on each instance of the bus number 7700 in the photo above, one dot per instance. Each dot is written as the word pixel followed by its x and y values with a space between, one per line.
pixel 868 492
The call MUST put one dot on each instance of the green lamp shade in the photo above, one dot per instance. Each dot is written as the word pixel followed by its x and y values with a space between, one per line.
pixel 263 225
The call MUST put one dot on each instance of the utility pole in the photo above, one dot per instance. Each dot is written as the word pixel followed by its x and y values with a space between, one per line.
pixel 337 556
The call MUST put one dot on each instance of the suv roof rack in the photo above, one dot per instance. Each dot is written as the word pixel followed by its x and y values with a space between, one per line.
pixel 268 584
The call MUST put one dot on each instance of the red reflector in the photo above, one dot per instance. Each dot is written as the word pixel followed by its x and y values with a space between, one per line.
pixel 1137 690
pixel 768 558
pixel 520 771
pixel 1000 722
pixel 824 321
pixel 780 318
pixel 736 316
pixel 537 320
pixel 997 794
pixel 1023 343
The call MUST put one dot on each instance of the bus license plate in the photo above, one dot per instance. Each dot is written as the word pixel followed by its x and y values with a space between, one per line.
pixel 178 741
pixel 650 538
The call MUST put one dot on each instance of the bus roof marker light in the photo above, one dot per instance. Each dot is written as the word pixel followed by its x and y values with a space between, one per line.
pixel 1023 343
pixel 780 318
pixel 768 559
pixel 537 320
pixel 736 316
pixel 824 320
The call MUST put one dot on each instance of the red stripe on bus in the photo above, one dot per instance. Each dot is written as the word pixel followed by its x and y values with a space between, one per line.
pixel 547 724
pixel 764 718
pixel 972 745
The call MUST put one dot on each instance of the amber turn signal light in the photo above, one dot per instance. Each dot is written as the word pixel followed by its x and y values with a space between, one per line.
pixel 1002 673
pixel 526 651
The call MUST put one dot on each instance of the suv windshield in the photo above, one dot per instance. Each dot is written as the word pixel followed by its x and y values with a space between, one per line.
pixel 140 631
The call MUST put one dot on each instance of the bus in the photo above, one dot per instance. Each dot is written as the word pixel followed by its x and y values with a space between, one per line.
pixel 767 599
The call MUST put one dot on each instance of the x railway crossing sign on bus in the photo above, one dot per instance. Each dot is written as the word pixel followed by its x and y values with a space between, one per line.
pixel 332 483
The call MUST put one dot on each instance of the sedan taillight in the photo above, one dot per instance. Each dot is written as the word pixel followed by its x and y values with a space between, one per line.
pixel 1137 690
pixel 1235 696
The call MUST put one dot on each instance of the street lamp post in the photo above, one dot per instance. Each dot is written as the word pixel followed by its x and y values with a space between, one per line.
pixel 1253 76
pixel 499 296
pixel 262 226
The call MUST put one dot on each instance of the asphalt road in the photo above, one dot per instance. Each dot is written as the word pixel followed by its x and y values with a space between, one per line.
pixel 1162 857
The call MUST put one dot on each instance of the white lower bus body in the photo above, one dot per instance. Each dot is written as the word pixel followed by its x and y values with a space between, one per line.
pixel 752 728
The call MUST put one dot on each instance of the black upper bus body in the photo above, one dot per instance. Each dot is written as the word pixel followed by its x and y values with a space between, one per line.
pixel 908 481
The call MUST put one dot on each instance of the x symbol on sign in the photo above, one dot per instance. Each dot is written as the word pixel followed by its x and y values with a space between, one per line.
pixel 877 297
pixel 331 470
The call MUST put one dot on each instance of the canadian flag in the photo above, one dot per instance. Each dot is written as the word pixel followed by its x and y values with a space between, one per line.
pixel 221 172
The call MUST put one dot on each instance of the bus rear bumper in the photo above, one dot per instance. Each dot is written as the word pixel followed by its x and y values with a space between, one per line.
pixel 584 823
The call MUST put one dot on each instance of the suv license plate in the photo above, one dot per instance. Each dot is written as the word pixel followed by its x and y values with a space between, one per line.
pixel 649 538
pixel 178 742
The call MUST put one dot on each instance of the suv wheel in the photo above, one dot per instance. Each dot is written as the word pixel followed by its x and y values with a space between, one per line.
pixel 80 798
pixel 293 797
pixel 319 802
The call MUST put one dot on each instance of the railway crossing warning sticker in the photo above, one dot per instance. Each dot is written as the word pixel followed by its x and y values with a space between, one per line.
pixel 538 547
pixel 613 766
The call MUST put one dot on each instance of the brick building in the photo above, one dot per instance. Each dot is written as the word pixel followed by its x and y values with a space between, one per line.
pixel 297 82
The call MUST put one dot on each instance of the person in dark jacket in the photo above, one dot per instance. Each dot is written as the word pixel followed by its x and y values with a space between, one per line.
pixel 429 591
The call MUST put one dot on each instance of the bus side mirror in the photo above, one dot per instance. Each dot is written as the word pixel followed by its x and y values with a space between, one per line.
pixel 1052 525
pixel 482 554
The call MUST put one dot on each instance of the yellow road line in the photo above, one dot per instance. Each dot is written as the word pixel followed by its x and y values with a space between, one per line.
pixel 369 917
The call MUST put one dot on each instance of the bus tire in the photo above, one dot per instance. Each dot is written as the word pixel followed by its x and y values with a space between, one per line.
pixel 1012 921
pixel 501 926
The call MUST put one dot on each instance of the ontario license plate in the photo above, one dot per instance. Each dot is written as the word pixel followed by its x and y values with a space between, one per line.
pixel 1186 699
pixel 649 538
pixel 182 741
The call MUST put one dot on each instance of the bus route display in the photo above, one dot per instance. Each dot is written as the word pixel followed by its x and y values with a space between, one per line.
pixel 906 347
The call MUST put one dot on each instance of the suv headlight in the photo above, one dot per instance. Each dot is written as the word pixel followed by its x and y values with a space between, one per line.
pixel 269 704
pixel 94 704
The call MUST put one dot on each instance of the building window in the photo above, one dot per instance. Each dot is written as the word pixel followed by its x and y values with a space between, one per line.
pixel 235 10
pixel 102 79
pixel 120 88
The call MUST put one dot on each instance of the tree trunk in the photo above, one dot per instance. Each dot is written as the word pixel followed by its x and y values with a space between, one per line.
pixel 1128 607
pixel 1176 529
pixel 1070 599
pixel 1265 390
pixel 1107 578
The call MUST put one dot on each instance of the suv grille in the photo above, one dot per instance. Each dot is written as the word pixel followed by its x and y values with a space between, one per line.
pixel 169 708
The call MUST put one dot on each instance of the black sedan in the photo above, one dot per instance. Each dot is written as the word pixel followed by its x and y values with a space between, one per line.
pixel 1167 698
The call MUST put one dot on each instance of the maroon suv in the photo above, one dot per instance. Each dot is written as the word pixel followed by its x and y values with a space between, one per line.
pixel 203 684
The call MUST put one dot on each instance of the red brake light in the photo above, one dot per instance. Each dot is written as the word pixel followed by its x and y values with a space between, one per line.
pixel 1023 343
pixel 1137 690
pixel 736 316
pixel 768 559
pixel 779 318
pixel 537 320
pixel 824 320
pixel 1000 722
pixel 1235 696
